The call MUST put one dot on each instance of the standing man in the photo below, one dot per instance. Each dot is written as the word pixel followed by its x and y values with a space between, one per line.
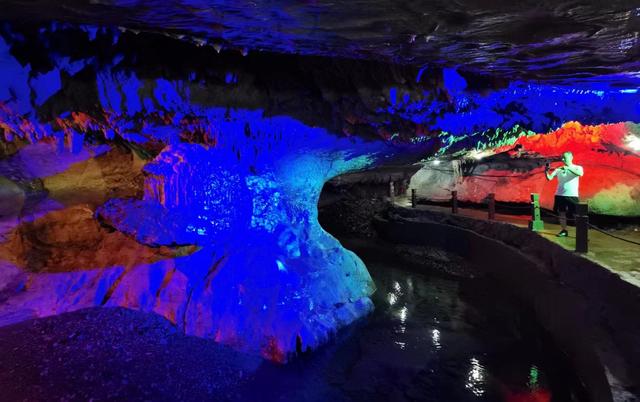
pixel 568 189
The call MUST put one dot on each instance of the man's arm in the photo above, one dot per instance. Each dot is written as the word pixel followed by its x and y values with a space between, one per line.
pixel 550 175
pixel 575 169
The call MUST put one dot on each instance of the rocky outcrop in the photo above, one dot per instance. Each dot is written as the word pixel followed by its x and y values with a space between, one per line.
pixel 12 197
pixel 71 239
pixel 269 280
pixel 115 173
pixel 608 153
pixel 262 276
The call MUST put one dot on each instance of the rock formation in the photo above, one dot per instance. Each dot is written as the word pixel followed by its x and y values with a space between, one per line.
pixel 153 171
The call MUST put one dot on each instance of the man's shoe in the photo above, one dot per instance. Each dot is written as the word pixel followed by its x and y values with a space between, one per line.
pixel 563 233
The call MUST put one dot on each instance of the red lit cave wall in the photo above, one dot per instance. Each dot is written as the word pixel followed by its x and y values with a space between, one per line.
pixel 609 153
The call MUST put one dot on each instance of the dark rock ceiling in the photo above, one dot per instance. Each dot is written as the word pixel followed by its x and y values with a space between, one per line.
pixel 548 40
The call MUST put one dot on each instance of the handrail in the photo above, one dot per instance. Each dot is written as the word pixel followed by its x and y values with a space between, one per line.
pixel 535 212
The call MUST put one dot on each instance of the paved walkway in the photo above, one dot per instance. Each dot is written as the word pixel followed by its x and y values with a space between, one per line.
pixel 617 256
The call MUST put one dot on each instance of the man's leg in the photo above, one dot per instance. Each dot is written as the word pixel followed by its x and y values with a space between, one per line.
pixel 563 219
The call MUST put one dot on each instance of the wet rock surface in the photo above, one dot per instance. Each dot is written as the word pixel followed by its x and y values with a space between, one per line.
pixel 349 210
pixel 437 260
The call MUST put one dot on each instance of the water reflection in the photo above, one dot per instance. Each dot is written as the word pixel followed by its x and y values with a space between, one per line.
pixel 402 345
pixel 533 377
pixel 402 314
pixel 429 339
pixel 435 339
pixel 475 378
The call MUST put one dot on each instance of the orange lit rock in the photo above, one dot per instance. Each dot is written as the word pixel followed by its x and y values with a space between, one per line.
pixel 71 240
pixel 117 173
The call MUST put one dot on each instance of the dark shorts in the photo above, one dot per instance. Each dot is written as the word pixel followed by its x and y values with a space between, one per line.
pixel 565 204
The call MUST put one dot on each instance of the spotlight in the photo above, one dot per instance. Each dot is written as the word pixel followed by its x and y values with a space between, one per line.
pixel 633 142
pixel 477 155
pixel 435 162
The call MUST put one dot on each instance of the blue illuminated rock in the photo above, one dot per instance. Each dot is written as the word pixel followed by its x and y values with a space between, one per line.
pixel 268 278
pixel 236 151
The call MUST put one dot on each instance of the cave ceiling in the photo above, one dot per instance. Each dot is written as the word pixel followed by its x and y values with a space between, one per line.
pixel 412 70
pixel 553 41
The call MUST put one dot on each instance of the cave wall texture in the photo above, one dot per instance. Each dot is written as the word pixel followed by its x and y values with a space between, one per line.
pixel 171 174
pixel 609 153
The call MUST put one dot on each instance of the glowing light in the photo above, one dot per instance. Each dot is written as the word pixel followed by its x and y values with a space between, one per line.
pixel 633 142
pixel 392 298
pixel 436 162
pixel 533 377
pixel 435 338
pixel 475 378
pixel 281 266
pixel 402 314
pixel 478 155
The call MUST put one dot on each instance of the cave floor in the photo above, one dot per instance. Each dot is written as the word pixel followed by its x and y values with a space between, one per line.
pixel 617 256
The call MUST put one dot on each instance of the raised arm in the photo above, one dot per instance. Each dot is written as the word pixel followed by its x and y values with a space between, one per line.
pixel 575 169
pixel 550 174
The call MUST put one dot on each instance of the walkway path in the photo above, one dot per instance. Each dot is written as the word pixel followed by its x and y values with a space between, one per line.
pixel 617 256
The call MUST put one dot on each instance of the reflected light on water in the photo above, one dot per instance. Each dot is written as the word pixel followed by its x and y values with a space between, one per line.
pixel 402 345
pixel 475 378
pixel 533 377
pixel 435 338
pixel 402 314
pixel 410 284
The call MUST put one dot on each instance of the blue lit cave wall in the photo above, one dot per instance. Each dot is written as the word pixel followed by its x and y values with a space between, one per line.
pixel 232 151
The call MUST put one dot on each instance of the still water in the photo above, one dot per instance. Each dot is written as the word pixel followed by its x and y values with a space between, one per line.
pixel 431 338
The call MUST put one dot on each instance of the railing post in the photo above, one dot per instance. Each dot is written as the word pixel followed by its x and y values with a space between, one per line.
pixel 535 223
pixel 491 198
pixel 454 202
pixel 582 228
pixel 413 198
pixel 392 192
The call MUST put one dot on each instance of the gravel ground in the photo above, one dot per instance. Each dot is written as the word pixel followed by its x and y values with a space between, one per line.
pixel 115 354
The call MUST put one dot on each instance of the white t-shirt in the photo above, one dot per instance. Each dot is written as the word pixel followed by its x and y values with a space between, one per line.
pixel 569 183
